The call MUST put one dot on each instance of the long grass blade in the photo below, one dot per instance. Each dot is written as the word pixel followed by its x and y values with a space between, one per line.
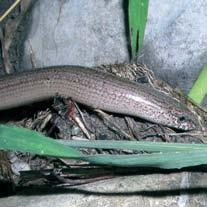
pixel 161 155
pixel 135 145
pixel 25 140
pixel 199 89
pixel 137 12
pixel 175 160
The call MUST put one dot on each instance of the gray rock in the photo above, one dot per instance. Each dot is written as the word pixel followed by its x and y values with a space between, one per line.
pixel 175 40
pixel 76 33
pixel 141 190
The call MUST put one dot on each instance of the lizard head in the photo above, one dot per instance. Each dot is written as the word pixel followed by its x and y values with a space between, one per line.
pixel 183 119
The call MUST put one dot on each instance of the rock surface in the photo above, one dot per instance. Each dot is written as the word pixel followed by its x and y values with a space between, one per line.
pixel 94 33
pixel 175 40
pixel 171 190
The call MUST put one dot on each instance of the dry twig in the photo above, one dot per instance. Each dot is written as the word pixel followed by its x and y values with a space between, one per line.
pixel 9 10
pixel 113 125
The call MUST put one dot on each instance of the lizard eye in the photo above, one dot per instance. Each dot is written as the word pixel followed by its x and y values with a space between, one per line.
pixel 182 118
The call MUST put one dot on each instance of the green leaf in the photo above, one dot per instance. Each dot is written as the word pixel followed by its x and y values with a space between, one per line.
pixel 137 11
pixel 199 89
pixel 175 160
pixel 171 156
pixel 164 155
pixel 25 140
pixel 135 145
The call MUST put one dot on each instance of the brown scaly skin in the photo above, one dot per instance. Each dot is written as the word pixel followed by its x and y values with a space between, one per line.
pixel 97 90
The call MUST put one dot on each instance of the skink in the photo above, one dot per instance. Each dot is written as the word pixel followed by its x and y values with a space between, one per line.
pixel 95 89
